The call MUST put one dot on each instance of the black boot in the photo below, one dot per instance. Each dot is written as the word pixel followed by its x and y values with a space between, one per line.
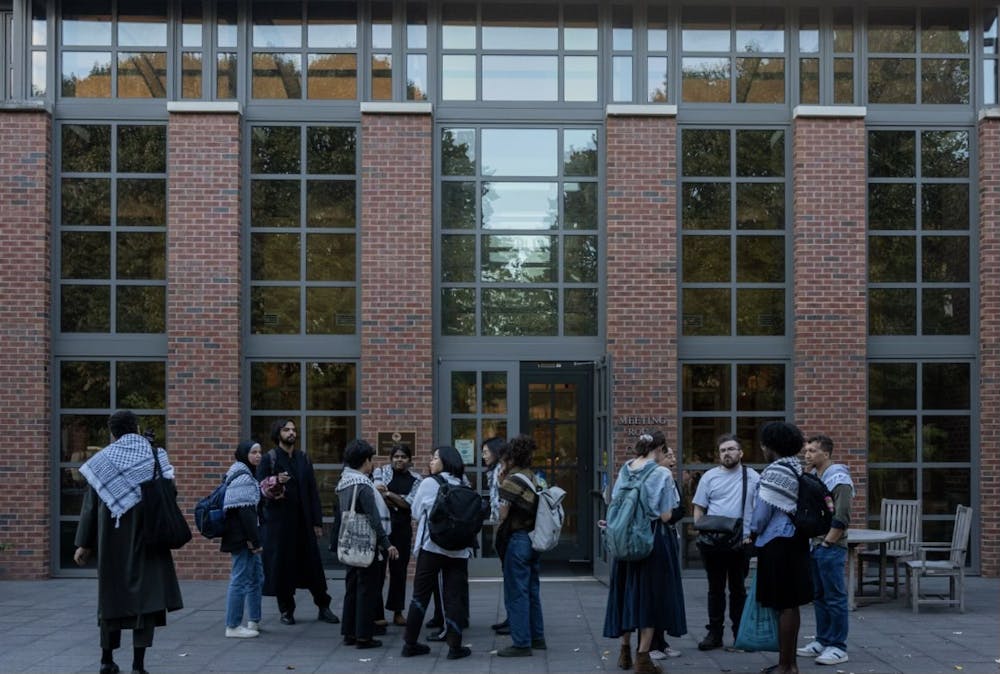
pixel 456 650
pixel 712 640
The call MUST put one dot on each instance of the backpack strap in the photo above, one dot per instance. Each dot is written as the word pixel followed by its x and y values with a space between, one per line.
pixel 528 481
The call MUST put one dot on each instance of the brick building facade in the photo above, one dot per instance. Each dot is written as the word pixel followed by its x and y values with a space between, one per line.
pixel 444 263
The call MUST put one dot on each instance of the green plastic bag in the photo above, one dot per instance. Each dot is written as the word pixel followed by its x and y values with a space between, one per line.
pixel 759 624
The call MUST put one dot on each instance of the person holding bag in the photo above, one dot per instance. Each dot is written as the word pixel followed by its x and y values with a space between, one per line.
pixel 726 494
pixel 358 497
pixel 136 583
pixel 241 538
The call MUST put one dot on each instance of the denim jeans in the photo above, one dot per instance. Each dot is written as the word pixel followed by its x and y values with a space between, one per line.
pixel 830 599
pixel 521 590
pixel 245 584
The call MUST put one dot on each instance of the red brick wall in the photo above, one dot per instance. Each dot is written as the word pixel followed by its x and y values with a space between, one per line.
pixel 829 244
pixel 989 345
pixel 25 342
pixel 203 314
pixel 396 277
pixel 642 273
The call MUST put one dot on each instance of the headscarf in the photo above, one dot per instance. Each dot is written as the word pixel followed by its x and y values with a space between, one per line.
pixel 117 471
pixel 779 484
pixel 242 490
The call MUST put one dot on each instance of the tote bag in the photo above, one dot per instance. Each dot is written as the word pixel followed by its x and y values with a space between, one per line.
pixel 356 539
pixel 759 624
pixel 164 526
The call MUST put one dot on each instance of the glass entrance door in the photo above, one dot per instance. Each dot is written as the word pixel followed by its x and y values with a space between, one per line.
pixel 557 411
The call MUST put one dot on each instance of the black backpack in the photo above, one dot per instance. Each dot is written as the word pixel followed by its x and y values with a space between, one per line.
pixel 209 516
pixel 814 507
pixel 456 516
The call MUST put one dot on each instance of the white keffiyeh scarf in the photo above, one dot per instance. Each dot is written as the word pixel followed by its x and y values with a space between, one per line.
pixel 242 490
pixel 351 477
pixel 779 484
pixel 117 471
pixel 837 474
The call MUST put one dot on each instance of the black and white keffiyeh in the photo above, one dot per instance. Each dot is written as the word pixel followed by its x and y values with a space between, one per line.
pixel 779 484
pixel 242 489
pixel 351 477
pixel 837 474
pixel 116 472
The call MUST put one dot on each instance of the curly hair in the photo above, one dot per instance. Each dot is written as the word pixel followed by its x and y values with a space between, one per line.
pixel 520 450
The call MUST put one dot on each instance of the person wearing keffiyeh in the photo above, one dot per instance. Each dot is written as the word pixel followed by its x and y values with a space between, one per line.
pixel 241 538
pixel 136 586
pixel 783 578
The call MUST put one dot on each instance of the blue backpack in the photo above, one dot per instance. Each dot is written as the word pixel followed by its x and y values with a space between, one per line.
pixel 209 516
pixel 629 536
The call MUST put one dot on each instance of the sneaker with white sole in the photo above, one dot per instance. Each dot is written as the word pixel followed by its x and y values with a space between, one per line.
pixel 657 655
pixel 831 655
pixel 241 632
pixel 811 650
pixel 253 625
pixel 672 653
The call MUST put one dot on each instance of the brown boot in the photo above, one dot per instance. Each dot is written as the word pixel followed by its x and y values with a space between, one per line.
pixel 625 658
pixel 645 665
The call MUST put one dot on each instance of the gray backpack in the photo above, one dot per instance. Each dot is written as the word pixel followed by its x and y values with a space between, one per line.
pixel 549 517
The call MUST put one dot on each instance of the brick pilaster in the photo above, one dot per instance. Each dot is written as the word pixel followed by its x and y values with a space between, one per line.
pixel 25 341
pixel 989 345
pixel 203 313
pixel 642 271
pixel 396 241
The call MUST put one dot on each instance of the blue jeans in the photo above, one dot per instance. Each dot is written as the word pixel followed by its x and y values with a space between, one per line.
pixel 521 590
pixel 245 584
pixel 830 598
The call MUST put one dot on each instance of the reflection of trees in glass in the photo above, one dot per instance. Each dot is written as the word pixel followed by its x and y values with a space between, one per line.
pixel 892 438
pixel 892 80
pixel 945 81
pixel 511 312
pixel 707 81
pixel 583 161
pixel 580 205
pixel 331 149
pixel 760 153
pixel 97 83
pixel 457 157
pixel 274 149
pixel 944 154
pixel 141 385
pixel 86 148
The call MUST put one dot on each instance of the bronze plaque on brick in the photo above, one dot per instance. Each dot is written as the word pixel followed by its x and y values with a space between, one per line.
pixel 386 439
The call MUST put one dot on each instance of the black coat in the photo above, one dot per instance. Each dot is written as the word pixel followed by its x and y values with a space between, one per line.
pixel 131 579
pixel 291 553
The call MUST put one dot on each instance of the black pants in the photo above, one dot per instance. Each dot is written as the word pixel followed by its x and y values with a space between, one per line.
pixel 111 638
pixel 286 602
pixel 362 601
pixel 725 567
pixel 454 575
pixel 401 537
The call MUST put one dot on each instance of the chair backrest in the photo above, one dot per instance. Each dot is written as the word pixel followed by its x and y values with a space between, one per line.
pixel 902 517
pixel 960 535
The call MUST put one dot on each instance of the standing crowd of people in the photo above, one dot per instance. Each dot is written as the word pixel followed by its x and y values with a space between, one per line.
pixel 273 523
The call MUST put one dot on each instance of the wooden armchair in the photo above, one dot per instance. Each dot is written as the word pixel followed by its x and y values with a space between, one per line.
pixel 952 568
pixel 902 517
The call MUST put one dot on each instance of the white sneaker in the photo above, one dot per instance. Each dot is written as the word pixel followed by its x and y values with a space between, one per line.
pixel 255 626
pixel 657 655
pixel 241 632
pixel 672 653
pixel 831 655
pixel 811 651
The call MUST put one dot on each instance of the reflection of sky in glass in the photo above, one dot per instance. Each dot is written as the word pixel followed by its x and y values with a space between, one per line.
pixel 142 34
pixel 90 33
pixel 990 82
pixel 520 206
pixel 520 37
pixel 520 78
pixel 580 38
pixel 760 40
pixel 518 258
pixel 703 38
pixel 458 37
pixel 520 152
pixel 227 35
pixel 458 78
pixel 578 140
pixel 79 65
pixel 38 62
pixel 38 32
pixel 277 36
pixel 621 82
pixel 191 34
pixel 333 36
pixel 581 78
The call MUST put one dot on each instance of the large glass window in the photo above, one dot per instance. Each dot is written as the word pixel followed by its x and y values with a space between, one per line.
pixel 304 50
pixel 89 392
pixel 991 55
pixel 920 438
pixel 519 221
pixel 417 83
pixel 733 222
pixel 6 53
pixel 824 30
pixel 112 234
pixel 322 398
pixel 919 55
pixel 919 214
pixel 733 55
pixel 114 48
pixel 303 230
pixel 531 52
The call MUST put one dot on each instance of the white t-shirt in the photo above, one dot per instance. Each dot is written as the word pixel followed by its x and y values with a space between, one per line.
pixel 423 501
pixel 720 491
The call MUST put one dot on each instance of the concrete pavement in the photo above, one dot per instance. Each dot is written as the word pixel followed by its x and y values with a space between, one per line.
pixel 50 626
